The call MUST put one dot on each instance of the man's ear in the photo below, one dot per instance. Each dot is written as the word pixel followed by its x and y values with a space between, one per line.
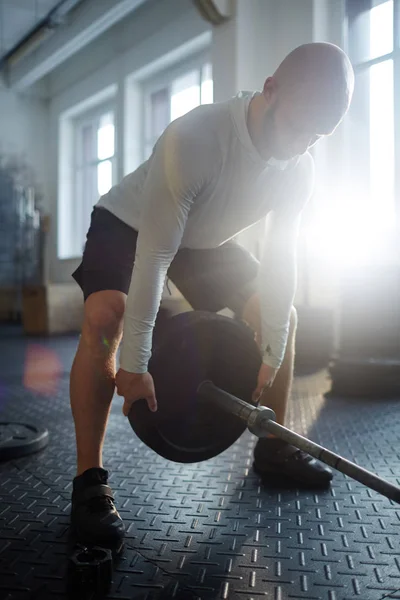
pixel 269 90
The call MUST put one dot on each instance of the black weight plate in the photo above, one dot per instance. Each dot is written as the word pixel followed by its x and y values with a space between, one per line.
pixel 192 347
pixel 21 439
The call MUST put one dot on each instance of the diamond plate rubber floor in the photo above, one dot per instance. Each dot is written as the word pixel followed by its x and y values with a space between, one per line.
pixel 211 530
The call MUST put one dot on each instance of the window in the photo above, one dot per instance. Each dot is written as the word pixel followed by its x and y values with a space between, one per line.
pixel 355 220
pixel 87 164
pixel 87 170
pixel 164 101
pixel 375 53
pixel 94 165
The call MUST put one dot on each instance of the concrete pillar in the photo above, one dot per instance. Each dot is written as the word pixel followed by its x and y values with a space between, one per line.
pixel 234 51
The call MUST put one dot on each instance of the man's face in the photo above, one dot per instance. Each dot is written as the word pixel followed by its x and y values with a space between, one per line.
pixel 288 129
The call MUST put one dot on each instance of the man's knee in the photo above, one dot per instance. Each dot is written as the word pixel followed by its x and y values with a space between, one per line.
pixel 103 318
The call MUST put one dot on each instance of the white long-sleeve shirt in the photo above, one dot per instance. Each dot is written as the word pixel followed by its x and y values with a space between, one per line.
pixel 204 183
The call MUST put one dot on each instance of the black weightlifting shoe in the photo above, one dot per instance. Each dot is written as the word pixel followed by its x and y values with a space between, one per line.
pixel 94 519
pixel 275 458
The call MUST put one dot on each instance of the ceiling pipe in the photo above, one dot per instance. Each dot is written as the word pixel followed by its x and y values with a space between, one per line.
pixel 215 12
pixel 87 22
pixel 41 32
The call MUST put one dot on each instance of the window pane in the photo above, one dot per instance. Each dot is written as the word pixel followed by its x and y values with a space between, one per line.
pixel 159 112
pixel 207 72
pixel 381 29
pixel 104 177
pixel 382 141
pixel 185 94
pixel 207 85
pixel 86 186
pixel 105 136
pixel 86 149
pixel 371 163
pixel 85 196
pixel 371 32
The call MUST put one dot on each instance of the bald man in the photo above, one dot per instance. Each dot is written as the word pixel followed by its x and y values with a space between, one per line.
pixel 213 172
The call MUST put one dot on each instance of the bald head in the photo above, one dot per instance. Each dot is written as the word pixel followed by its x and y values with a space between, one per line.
pixel 319 78
pixel 305 99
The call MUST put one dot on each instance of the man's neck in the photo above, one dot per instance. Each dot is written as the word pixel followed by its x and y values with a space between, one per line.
pixel 254 125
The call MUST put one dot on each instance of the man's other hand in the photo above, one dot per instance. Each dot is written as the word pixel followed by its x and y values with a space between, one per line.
pixel 266 376
pixel 134 386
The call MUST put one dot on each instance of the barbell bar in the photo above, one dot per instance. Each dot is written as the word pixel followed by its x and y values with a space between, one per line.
pixel 261 421
pixel 204 368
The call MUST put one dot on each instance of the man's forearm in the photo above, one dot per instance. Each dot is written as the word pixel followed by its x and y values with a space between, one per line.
pixel 142 306
pixel 277 284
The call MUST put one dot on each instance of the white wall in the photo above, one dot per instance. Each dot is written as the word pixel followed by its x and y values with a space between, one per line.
pixel 23 132
pixel 157 30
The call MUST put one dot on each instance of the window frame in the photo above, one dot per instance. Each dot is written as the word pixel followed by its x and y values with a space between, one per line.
pixel 68 246
pixel 89 116
pixel 158 81
pixel 352 13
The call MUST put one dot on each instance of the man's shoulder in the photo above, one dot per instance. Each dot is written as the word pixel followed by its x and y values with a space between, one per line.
pixel 203 122
pixel 198 136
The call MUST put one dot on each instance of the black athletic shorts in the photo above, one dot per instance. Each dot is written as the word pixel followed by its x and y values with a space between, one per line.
pixel 211 279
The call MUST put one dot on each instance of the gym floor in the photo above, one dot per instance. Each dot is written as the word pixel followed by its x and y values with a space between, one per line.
pixel 208 530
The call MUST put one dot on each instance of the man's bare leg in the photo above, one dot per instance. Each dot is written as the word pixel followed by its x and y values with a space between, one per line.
pixel 92 375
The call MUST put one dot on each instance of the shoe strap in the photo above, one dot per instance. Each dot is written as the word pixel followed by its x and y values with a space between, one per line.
pixel 94 491
pixel 279 448
pixel 288 452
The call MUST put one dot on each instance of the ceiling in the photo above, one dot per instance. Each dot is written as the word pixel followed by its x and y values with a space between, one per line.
pixel 20 17
pixel 51 31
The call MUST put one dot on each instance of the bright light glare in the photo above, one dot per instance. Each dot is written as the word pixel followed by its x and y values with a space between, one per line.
pixel 381 29
pixel 184 101
pixel 105 142
pixel 207 85
pixel 185 94
pixel 345 232
pixel 207 92
pixel 356 223
pixel 104 177
pixel 42 370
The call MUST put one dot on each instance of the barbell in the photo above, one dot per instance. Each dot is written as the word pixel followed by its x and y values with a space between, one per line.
pixel 205 368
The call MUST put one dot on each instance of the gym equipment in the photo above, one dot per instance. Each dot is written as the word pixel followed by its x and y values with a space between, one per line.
pixel 205 368
pixel 355 375
pixel 261 421
pixel 89 571
pixel 21 439
pixel 366 362
pixel 190 348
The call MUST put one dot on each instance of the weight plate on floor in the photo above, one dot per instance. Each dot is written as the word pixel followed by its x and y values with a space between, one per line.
pixel 21 439
pixel 193 347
